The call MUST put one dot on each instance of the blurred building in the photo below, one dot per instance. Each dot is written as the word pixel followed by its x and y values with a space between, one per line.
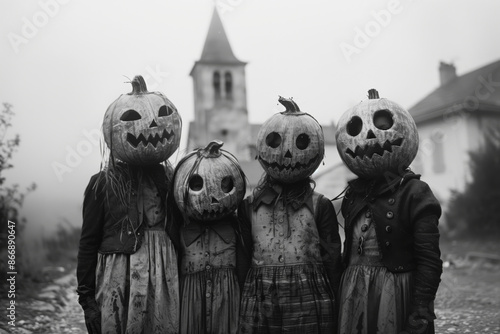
pixel 220 112
pixel 452 121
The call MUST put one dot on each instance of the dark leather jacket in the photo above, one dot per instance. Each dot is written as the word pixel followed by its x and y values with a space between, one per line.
pixel 111 227
pixel 405 213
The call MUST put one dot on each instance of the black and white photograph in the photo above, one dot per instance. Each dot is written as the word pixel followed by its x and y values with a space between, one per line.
pixel 249 166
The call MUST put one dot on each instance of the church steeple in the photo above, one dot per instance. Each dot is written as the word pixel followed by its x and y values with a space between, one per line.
pixel 217 49
pixel 220 100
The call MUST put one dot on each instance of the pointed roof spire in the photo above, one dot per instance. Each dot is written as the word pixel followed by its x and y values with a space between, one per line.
pixel 217 48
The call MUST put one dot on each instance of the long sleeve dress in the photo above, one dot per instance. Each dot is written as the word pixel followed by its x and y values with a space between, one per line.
pixel 127 261
pixel 210 293
pixel 294 253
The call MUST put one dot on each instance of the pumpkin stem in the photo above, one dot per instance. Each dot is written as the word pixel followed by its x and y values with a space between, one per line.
pixel 373 94
pixel 289 104
pixel 212 149
pixel 138 85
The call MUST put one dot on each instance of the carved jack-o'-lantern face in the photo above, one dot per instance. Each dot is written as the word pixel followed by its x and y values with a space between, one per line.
pixel 377 136
pixel 290 144
pixel 142 128
pixel 209 183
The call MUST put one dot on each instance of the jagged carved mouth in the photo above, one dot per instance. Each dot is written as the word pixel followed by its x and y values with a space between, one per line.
pixel 297 165
pixel 214 213
pixel 370 150
pixel 166 136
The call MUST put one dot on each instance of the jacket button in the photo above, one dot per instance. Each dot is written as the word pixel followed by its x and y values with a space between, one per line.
pixel 364 227
pixel 387 244
pixel 208 267
pixel 351 202
pixel 389 214
pixel 391 201
pixel 208 295
pixel 388 229
pixel 368 214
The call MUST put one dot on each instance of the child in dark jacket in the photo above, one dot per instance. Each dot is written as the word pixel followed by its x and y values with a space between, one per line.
pixel 391 250
pixel 127 261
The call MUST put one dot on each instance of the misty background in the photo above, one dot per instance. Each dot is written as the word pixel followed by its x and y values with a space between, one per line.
pixel 64 62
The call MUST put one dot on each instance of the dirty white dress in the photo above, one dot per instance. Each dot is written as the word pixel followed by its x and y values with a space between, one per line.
pixel 139 293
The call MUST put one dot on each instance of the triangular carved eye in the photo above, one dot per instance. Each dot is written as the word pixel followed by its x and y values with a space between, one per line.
pixel 130 115
pixel 165 111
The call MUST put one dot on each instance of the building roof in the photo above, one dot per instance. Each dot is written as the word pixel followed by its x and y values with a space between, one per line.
pixel 217 49
pixel 470 91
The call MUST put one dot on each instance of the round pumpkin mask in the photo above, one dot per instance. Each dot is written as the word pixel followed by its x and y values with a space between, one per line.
pixel 209 183
pixel 290 144
pixel 377 136
pixel 141 127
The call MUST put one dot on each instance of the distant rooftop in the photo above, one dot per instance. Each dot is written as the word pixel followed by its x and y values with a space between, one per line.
pixel 479 89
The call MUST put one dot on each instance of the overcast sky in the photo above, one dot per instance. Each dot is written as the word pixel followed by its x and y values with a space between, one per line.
pixel 64 62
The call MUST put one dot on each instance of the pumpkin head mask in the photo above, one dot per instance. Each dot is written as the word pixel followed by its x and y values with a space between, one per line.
pixel 141 127
pixel 209 183
pixel 290 144
pixel 377 136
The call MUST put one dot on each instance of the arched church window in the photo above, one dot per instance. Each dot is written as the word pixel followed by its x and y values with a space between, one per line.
pixel 216 84
pixel 228 82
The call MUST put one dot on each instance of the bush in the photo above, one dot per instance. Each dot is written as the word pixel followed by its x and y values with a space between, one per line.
pixel 476 210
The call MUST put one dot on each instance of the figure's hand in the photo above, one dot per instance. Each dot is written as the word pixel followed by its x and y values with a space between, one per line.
pixel 92 315
pixel 418 321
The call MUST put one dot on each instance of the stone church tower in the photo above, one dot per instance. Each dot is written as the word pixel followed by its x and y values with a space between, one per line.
pixel 220 101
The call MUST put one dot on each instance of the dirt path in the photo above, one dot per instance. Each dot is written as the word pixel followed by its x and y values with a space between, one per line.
pixel 468 299
pixel 53 309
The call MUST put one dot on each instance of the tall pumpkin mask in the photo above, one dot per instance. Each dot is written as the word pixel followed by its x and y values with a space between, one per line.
pixel 141 127
pixel 290 144
pixel 209 183
pixel 377 136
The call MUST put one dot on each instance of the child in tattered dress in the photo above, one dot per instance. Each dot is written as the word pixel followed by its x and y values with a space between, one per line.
pixel 208 186
pixel 391 252
pixel 290 233
pixel 127 262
